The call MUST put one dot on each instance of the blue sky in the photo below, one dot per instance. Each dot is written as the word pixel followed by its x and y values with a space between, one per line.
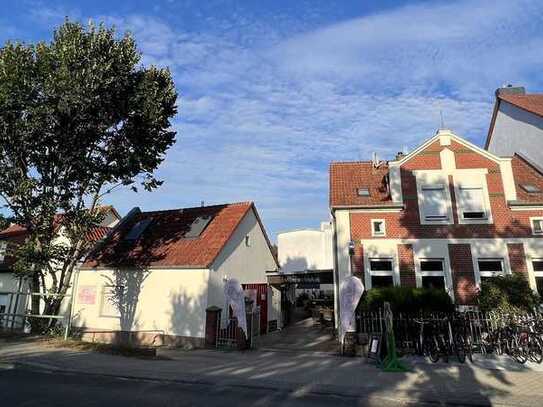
pixel 271 92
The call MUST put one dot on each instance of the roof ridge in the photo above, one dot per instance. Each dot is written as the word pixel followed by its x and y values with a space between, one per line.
pixel 247 203
pixel 357 162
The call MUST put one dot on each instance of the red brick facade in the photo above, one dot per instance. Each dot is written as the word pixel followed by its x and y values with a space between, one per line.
pixel 406 224
pixel 358 261
pixel 402 223
pixel 517 258
pixel 465 289
pixel 407 265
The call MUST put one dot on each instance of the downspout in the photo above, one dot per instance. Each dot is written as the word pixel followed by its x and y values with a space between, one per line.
pixel 335 273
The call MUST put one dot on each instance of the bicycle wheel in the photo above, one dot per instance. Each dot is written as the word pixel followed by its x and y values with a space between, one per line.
pixel 460 348
pixel 535 349
pixel 469 347
pixel 517 351
pixel 432 347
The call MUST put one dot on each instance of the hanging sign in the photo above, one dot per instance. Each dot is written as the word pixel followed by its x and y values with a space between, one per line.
pixel 235 299
pixel 350 292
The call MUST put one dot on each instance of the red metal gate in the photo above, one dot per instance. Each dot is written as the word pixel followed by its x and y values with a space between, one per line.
pixel 262 302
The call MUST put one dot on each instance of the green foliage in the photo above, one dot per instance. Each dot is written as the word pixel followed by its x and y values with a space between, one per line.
pixel 79 116
pixel 407 299
pixel 509 293
pixel 5 222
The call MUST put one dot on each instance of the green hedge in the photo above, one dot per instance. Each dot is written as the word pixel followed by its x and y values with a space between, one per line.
pixel 406 299
pixel 509 293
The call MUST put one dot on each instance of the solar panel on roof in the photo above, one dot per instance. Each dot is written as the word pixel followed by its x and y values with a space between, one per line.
pixel 137 229
pixel 198 225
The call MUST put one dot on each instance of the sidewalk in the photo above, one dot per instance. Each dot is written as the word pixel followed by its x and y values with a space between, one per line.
pixel 300 373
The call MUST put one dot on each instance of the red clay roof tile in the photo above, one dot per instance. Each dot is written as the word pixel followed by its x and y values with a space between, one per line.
pixel 163 242
pixel 532 103
pixel 347 177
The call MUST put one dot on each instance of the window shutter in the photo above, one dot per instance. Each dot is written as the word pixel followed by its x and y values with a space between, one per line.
pixel 434 202
pixel 472 201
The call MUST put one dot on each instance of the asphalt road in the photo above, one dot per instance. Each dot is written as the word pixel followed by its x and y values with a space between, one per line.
pixel 22 386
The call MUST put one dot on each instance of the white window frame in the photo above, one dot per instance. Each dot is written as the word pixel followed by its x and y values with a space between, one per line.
pixel 381 273
pixel 435 187
pixel 443 273
pixel 104 313
pixel 482 184
pixel 428 179
pixel 532 225
pixel 381 234
pixel 490 273
pixel 536 273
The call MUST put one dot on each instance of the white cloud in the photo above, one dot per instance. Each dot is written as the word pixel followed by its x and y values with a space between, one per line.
pixel 261 115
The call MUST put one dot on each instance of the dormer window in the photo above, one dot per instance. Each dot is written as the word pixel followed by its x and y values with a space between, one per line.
pixel 364 192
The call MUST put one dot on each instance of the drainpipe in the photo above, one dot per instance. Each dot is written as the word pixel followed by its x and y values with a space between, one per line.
pixel 335 273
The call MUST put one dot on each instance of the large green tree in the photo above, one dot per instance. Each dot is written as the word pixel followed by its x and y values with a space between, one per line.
pixel 79 116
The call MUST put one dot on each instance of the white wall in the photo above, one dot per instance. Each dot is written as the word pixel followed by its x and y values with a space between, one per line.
pixel 302 250
pixel 342 267
pixel 247 264
pixel 169 300
pixel 9 283
pixel 516 130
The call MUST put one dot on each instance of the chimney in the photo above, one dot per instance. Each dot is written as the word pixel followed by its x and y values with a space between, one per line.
pixel 511 90
pixel 399 155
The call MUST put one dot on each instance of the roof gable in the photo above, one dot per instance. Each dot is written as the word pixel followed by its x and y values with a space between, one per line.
pixel 452 136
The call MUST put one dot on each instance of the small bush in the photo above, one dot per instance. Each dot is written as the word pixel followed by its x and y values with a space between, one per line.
pixel 407 299
pixel 510 293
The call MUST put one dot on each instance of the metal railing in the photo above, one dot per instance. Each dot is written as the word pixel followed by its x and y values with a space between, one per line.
pixel 13 319
pixel 476 324
pixel 230 336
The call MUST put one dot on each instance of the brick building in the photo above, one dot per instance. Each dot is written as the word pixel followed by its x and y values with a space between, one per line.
pixel 447 215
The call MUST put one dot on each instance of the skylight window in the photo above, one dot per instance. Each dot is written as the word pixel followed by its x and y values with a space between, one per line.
pixel 198 225
pixel 138 229
pixel 364 191
pixel 530 188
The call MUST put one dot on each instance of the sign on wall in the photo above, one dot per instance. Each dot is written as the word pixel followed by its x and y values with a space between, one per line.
pixel 87 295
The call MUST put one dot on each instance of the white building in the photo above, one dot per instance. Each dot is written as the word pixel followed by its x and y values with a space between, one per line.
pixel 10 284
pixel 517 125
pixel 156 275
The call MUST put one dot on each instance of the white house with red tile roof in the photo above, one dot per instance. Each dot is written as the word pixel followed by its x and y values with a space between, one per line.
pixel 15 235
pixel 156 274
pixel 446 215
pixel 517 125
